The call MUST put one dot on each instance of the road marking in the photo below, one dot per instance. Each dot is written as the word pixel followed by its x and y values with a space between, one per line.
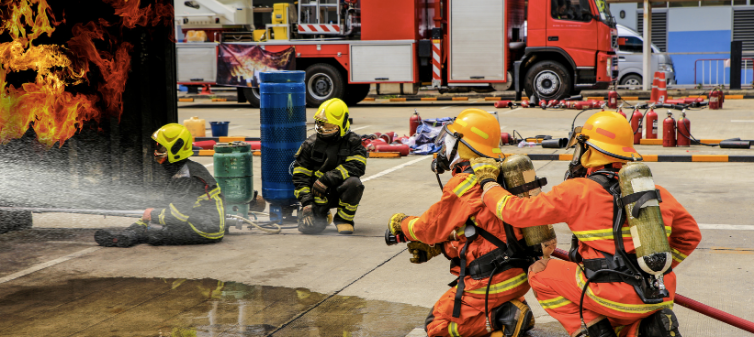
pixel 234 127
pixel 742 120
pixel 47 264
pixel 512 110
pixel 363 127
pixel 446 107
pixel 209 165
pixel 727 227
pixel 396 168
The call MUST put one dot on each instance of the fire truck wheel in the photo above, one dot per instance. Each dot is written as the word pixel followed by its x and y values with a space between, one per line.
pixel 355 93
pixel 549 79
pixel 323 82
pixel 252 96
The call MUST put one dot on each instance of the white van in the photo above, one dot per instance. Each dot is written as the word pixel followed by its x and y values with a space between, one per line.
pixel 630 59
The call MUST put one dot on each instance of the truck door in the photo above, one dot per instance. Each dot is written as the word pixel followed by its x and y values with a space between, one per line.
pixel 477 41
pixel 572 27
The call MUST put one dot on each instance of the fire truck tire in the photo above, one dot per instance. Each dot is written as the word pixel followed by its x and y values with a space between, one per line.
pixel 252 96
pixel 355 93
pixel 323 82
pixel 549 80
pixel 12 220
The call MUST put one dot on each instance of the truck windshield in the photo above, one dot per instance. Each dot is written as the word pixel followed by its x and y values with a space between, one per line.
pixel 605 15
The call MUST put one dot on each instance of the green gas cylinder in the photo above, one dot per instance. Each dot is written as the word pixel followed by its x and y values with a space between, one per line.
pixel 234 175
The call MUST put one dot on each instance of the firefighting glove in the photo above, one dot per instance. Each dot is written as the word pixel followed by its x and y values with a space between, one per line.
pixel 308 223
pixel 147 216
pixel 422 252
pixel 319 189
pixel 395 223
pixel 485 169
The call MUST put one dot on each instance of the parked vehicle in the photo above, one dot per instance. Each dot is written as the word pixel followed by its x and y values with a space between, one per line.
pixel 630 64
pixel 346 45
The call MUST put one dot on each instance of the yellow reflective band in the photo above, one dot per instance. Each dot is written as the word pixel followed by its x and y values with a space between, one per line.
pixel 214 192
pixel 607 234
pixel 678 256
pixel 453 330
pixel 465 186
pixel 221 213
pixel 622 307
pixel 305 190
pixel 496 150
pixel 460 231
pixel 501 206
pixel 554 303
pixel 176 214
pixel 482 165
pixel 162 217
pixel 357 158
pixel 618 329
pixel 318 174
pixel 301 170
pixel 345 216
pixel 411 229
pixel 348 206
pixel 142 223
pixel 480 133
pixel 462 122
pixel 319 200
pixel 343 171
pixel 502 286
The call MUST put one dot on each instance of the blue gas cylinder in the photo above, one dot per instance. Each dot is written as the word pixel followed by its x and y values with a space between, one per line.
pixel 283 128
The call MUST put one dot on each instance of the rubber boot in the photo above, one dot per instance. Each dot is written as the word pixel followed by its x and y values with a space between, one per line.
pixel 512 319
pixel 599 329
pixel 662 323
pixel 344 226
pixel 123 238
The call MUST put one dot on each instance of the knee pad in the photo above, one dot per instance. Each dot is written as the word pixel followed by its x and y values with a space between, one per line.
pixel 662 323
pixel 513 318
pixel 602 328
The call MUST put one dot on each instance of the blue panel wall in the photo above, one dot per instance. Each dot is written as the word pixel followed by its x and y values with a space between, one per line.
pixel 698 41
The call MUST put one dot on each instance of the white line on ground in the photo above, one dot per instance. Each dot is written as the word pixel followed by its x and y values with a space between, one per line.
pixel 727 227
pixel 47 264
pixel 209 165
pixel 742 120
pixel 359 128
pixel 234 127
pixel 393 169
pixel 509 111
pixel 445 107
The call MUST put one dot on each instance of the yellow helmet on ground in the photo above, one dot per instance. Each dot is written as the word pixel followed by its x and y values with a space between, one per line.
pixel 176 139
pixel 611 135
pixel 479 131
pixel 332 116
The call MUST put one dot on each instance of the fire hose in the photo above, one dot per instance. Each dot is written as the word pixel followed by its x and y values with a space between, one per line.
pixel 694 305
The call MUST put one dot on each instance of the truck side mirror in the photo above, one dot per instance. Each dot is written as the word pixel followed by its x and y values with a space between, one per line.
pixel 621 41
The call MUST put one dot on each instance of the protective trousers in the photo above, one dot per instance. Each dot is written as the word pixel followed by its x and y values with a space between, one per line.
pixel 158 235
pixel 472 322
pixel 345 198
pixel 558 291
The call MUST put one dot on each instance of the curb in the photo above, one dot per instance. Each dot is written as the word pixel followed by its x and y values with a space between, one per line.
pixel 696 158
pixel 659 141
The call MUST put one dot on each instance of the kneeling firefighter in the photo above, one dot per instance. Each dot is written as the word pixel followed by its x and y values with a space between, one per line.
pixel 628 235
pixel 485 255
pixel 327 170
pixel 194 212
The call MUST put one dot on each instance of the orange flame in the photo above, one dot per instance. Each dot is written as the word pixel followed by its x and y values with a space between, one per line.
pixel 56 114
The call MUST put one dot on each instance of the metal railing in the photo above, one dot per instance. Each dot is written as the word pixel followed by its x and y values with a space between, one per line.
pixel 712 71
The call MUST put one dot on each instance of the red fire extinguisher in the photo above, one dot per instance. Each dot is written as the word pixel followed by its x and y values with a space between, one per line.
pixel 414 122
pixel 620 111
pixel 714 99
pixel 635 121
pixel 684 131
pixel 668 131
pixel 612 99
pixel 650 128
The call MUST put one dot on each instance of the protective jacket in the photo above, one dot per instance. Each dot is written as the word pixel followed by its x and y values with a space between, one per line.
pixel 195 201
pixel 330 161
pixel 461 202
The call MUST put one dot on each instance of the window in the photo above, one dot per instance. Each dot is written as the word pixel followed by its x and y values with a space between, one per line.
pixel 632 45
pixel 684 4
pixel 575 10
pixel 716 3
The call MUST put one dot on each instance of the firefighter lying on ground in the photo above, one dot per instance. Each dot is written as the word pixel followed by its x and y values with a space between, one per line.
pixel 327 170
pixel 614 304
pixel 195 212
pixel 484 265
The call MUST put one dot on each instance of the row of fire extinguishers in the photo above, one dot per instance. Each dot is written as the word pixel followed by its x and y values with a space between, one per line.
pixel 673 133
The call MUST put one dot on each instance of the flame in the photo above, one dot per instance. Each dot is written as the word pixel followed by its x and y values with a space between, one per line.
pixel 55 113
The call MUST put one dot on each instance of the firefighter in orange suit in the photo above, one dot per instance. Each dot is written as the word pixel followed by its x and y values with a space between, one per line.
pixel 446 227
pixel 612 304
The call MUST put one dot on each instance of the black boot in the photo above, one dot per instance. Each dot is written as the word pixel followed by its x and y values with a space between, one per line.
pixel 599 329
pixel 513 318
pixel 119 237
pixel 660 324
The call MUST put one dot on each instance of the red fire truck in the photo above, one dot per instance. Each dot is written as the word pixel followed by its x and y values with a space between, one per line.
pixel 551 49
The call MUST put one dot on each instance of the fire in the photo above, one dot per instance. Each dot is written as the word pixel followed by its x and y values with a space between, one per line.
pixel 55 113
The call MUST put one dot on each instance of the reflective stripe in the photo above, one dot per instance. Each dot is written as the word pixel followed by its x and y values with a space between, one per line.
pixel 178 215
pixel 554 303
pixel 480 133
pixel 357 158
pixel 678 256
pixel 213 193
pixel 343 172
pixel 607 234
pixel 142 223
pixel 348 206
pixel 501 206
pixel 318 174
pixel 303 171
pixel 221 212
pixel 502 286
pixel 618 329
pixel 453 330
pixel 411 228
pixel 496 150
pixel 482 165
pixel 305 190
pixel 345 216
pixel 319 200
pixel 462 122
pixel 162 217
pixel 465 186
pixel 622 307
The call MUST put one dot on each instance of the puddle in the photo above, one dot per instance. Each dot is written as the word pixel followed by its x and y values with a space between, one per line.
pixel 183 308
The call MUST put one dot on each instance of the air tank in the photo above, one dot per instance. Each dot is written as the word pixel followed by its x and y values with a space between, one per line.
pixel 232 165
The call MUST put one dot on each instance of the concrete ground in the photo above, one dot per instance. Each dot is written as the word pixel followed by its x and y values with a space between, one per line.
pixel 54 280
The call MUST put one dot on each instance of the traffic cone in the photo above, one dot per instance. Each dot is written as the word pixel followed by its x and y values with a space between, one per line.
pixel 653 95
pixel 662 90
pixel 206 90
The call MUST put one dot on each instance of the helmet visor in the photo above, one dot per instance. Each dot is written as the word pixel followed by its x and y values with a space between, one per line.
pixel 446 140
pixel 325 129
